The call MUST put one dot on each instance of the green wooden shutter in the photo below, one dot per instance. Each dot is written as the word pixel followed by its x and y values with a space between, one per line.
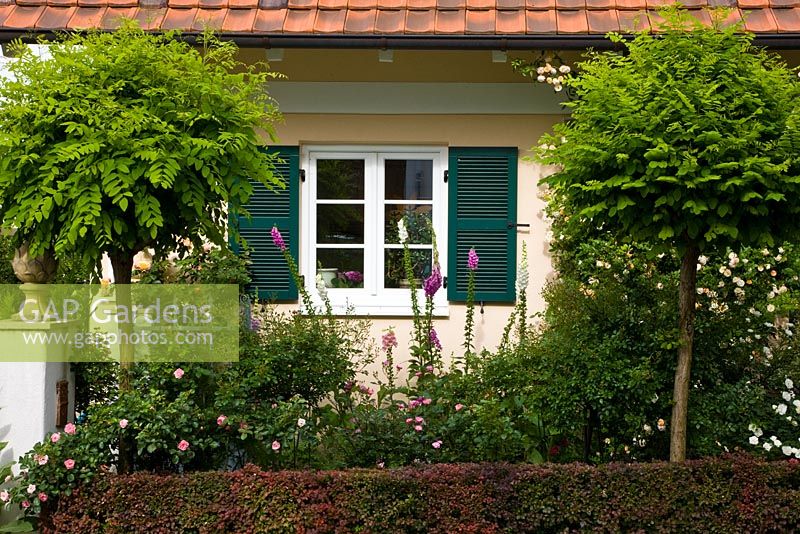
pixel 271 278
pixel 483 215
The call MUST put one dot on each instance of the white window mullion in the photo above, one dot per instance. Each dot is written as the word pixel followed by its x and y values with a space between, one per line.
pixel 371 222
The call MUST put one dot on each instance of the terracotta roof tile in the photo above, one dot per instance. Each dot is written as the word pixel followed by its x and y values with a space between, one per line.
pixel 633 21
pixel 631 4
pixel 182 3
pixel 451 4
pixel 510 21
pixel 239 20
pixel 656 20
pixel 600 4
pixel 69 3
pixel 420 21
pixel 114 15
pixel 450 21
pixel 87 17
pixel 480 21
pixel 760 20
pixel 55 18
pixel 5 11
pixel 270 20
pixel 299 21
pixel 734 17
pixel 421 4
pixel 213 4
pixel 388 17
pixel 603 22
pixel 572 21
pixel 788 20
pixel 150 19
pixel 390 21
pixel 571 4
pixel 179 18
pixel 481 4
pixel 24 17
pixel 330 21
pixel 540 4
pixel 211 19
pixel 360 21
pixel 541 21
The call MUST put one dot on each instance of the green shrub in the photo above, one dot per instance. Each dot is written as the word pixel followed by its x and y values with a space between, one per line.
pixel 721 495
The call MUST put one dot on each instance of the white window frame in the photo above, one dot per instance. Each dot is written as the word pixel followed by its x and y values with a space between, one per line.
pixel 372 299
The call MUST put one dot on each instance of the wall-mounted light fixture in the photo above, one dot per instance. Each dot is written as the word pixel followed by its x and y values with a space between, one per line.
pixel 499 56
pixel 274 54
pixel 386 56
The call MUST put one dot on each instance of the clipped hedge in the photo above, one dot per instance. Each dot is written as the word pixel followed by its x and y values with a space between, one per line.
pixel 733 494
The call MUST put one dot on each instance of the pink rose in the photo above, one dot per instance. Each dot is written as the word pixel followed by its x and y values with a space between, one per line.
pixel 429 368
pixel 426 401
pixel 178 373
pixel 418 428
pixel 42 497
pixel 276 445
pixel 55 437
pixel 436 444
pixel 69 463
pixel 459 407
pixel 26 504
pixel 41 459
pixel 221 420
pixel 409 420
pixel 419 419
pixel 69 428
pixel 183 445
pixel 4 496
pixel 123 423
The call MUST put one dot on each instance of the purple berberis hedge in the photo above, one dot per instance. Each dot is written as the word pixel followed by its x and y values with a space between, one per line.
pixel 732 494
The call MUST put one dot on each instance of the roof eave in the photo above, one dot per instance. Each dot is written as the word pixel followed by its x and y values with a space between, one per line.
pixel 418 42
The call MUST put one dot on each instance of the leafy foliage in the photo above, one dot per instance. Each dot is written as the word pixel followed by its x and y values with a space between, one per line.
pixel 734 494
pixel 124 140
pixel 688 136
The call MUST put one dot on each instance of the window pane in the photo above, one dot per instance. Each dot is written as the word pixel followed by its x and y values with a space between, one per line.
pixel 340 179
pixel 340 223
pixel 395 273
pixel 418 223
pixel 341 267
pixel 409 179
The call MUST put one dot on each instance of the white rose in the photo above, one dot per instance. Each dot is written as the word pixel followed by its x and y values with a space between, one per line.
pixel 753 440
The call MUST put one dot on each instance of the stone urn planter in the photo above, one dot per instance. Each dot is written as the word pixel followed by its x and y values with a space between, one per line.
pixel 39 270
pixel 35 274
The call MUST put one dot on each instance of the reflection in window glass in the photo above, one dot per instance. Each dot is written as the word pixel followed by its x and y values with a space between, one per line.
pixel 394 270
pixel 341 267
pixel 410 179
pixel 340 179
pixel 340 223
pixel 418 221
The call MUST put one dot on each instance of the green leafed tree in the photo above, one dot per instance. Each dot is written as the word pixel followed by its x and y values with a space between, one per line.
pixel 688 139
pixel 128 140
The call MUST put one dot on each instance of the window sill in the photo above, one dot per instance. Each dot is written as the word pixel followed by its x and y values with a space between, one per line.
pixel 380 306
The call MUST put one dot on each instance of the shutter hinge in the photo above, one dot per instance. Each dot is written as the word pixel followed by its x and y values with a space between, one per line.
pixel 518 225
pixel 446 176
pixel 444 282
pixel 302 175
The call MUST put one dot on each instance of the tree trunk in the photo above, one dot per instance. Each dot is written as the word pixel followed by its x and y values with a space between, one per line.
pixel 122 263
pixel 680 395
